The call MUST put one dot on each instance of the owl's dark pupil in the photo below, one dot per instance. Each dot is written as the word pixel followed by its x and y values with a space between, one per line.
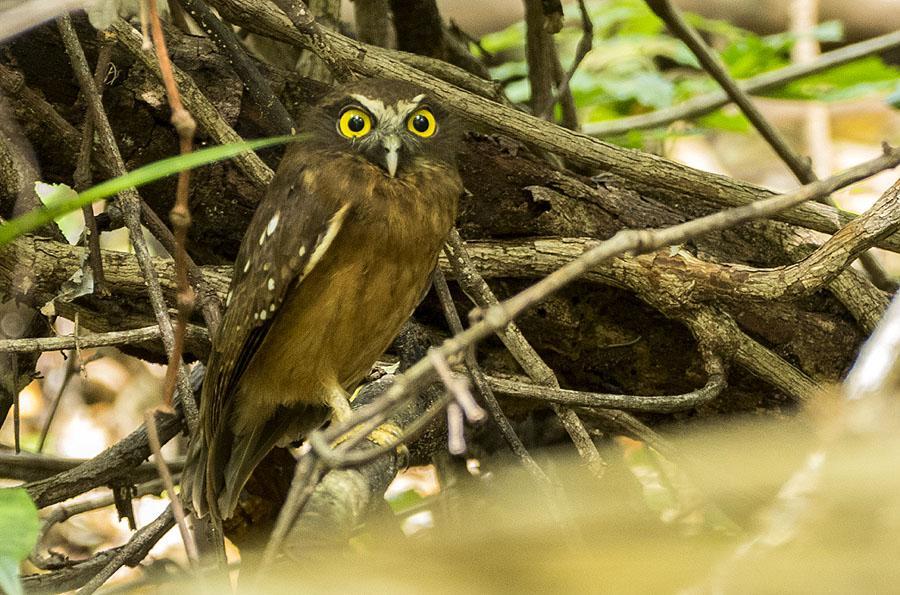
pixel 420 123
pixel 356 123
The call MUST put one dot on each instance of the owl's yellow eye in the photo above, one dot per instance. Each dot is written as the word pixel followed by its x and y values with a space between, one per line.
pixel 422 123
pixel 354 123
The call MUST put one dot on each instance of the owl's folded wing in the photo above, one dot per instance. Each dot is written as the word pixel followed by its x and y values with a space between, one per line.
pixel 290 232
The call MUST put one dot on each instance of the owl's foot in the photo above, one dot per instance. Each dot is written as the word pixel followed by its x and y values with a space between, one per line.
pixel 339 401
pixel 384 435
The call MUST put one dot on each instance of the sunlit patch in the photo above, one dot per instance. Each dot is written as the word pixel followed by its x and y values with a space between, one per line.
pixel 107 372
pixel 81 437
pixel 417 522
pixel 31 400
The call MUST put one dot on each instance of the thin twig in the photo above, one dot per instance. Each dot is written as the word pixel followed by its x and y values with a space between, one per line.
pixel 307 473
pixel 704 104
pixel 27 466
pixel 304 22
pixel 585 44
pixel 165 475
pixel 129 337
pixel 274 118
pixel 17 419
pixel 135 550
pixel 180 215
pixel 130 202
pixel 511 336
pixel 71 368
pixel 63 512
pixel 484 388
pixel 82 176
pixel 801 167
pixel 644 403
pixel 458 388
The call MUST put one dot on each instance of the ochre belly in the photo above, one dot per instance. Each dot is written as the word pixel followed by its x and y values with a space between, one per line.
pixel 333 327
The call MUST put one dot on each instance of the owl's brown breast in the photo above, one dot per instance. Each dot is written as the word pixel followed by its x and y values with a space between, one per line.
pixel 340 319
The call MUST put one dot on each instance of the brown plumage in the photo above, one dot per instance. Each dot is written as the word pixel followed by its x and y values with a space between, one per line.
pixel 336 258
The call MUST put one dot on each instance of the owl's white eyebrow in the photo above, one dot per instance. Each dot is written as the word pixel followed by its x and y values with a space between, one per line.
pixel 375 106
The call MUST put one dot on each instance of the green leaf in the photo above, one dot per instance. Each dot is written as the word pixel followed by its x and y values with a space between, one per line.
pixel 19 526
pixel 70 224
pixel 143 175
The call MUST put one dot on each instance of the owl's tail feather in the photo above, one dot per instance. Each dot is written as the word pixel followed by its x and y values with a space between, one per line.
pixel 215 473
pixel 193 480
pixel 248 450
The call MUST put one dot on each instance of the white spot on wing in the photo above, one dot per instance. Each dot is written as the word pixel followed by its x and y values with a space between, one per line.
pixel 263 314
pixel 273 223
pixel 262 237
pixel 246 266
pixel 271 284
pixel 228 299
pixel 301 251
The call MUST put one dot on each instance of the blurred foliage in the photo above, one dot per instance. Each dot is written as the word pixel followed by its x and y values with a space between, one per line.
pixel 635 66
pixel 19 530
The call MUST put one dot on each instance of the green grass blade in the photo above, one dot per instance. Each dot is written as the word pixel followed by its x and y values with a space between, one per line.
pixel 36 218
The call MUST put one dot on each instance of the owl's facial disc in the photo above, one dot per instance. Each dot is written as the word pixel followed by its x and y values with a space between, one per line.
pixel 391 133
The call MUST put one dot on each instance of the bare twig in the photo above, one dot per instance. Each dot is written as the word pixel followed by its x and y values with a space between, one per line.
pixel 17 418
pixel 27 466
pixel 209 303
pixel 305 23
pixel 130 205
pixel 82 176
pixel 63 512
pixel 180 215
pixel 135 550
pixel 458 389
pixel 761 83
pixel 511 336
pixel 646 403
pixel 274 117
pixel 307 473
pixel 800 167
pixel 585 43
pixel 70 369
pixel 138 335
pixel 165 475
pixel 117 463
pixel 484 388
pixel 539 54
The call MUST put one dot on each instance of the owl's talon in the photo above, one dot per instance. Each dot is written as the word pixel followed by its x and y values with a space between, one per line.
pixel 384 435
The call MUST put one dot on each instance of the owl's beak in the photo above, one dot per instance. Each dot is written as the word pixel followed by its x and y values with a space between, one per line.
pixel 391 144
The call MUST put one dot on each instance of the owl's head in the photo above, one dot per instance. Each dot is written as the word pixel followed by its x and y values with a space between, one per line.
pixel 392 124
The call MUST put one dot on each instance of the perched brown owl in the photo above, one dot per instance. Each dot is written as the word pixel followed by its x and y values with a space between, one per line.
pixel 336 258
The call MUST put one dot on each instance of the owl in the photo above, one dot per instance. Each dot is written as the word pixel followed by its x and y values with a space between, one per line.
pixel 336 258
